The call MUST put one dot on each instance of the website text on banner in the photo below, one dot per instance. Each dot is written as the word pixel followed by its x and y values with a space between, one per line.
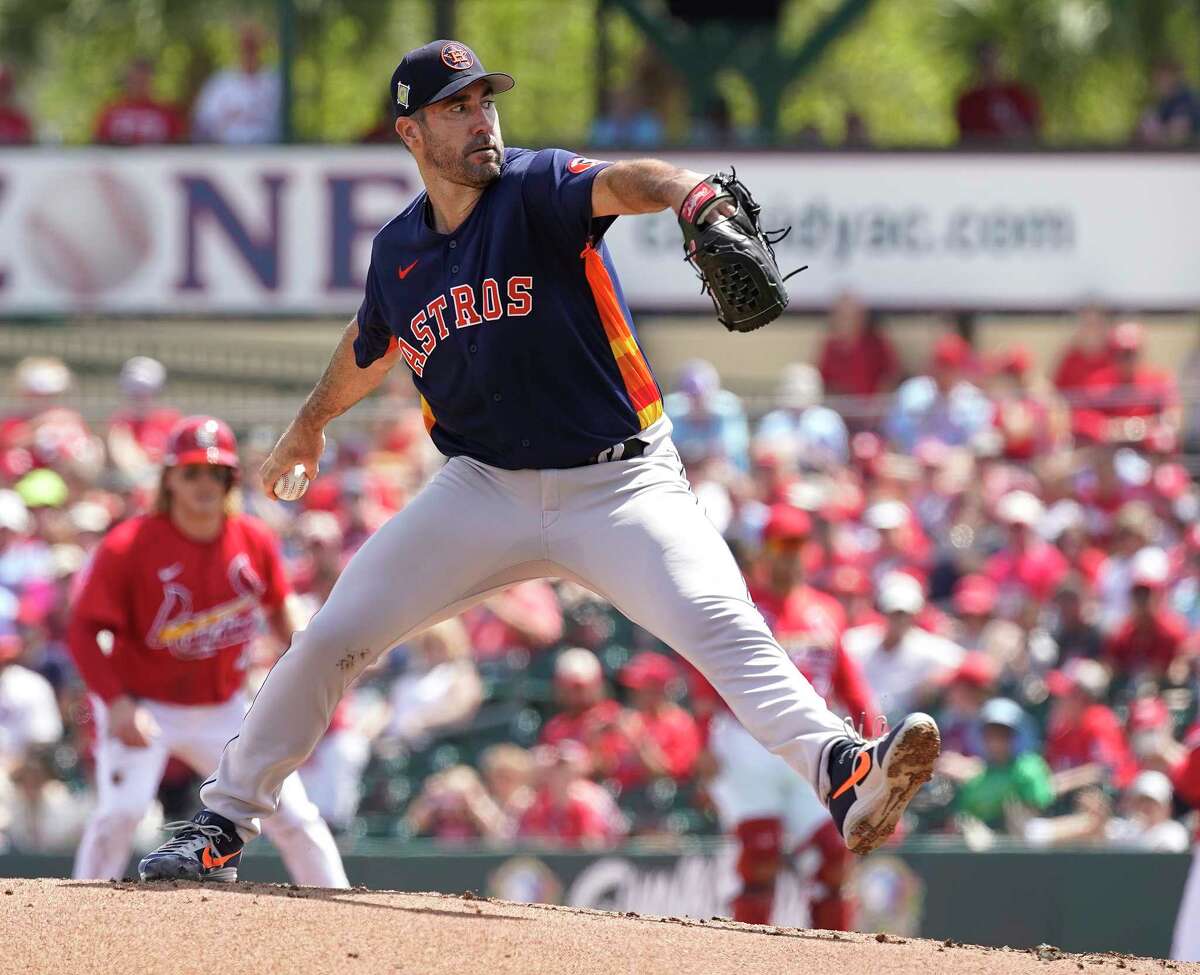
pixel 289 231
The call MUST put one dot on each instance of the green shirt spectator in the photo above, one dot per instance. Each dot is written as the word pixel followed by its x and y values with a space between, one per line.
pixel 1025 779
pixel 1007 777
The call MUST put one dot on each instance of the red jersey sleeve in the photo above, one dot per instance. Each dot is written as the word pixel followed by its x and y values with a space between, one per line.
pixel 102 603
pixel 852 690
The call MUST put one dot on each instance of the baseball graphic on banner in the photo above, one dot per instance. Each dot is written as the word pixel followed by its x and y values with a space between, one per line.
pixel 87 231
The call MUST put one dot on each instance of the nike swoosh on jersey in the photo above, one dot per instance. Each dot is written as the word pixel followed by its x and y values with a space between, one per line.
pixel 402 272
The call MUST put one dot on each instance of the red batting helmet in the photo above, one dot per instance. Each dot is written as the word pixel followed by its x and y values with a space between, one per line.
pixel 201 440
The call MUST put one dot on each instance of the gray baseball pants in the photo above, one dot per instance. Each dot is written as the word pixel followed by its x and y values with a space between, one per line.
pixel 630 530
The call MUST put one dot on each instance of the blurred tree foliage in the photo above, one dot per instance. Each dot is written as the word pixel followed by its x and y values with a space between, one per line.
pixel 901 66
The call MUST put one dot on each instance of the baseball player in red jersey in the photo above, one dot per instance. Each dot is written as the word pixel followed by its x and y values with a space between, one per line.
pixel 771 809
pixel 181 592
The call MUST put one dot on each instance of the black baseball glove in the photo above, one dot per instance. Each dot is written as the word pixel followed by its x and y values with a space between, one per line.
pixel 733 255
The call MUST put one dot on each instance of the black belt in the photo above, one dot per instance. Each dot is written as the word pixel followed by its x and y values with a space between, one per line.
pixel 633 447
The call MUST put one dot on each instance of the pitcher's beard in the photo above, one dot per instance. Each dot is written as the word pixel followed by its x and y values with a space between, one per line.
pixel 473 169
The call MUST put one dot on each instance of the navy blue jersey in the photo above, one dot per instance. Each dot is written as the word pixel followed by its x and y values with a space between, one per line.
pixel 514 326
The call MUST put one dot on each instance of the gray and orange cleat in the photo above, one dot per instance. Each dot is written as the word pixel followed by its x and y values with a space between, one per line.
pixel 870 783
pixel 206 847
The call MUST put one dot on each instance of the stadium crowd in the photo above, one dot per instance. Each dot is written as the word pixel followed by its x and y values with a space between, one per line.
pixel 1017 553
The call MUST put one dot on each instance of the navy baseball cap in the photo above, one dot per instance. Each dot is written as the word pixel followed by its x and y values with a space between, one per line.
pixel 436 71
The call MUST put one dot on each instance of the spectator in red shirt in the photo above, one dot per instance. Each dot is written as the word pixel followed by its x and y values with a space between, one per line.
pixel 1151 638
pixel 974 606
pixel 1066 525
pixel 903 545
pixel 454 806
pixel 42 432
pixel 1126 388
pixel 995 109
pixel 851 586
pixel 808 623
pixel 137 432
pixel 659 738
pixel 1087 353
pixel 526 617
pixel 321 557
pixel 1021 417
pixel 967 689
pixel 508 771
pixel 1151 733
pixel 1028 569
pixel 15 128
pixel 136 118
pixel 567 808
pixel 856 359
pixel 588 716
pixel 1083 733
pixel 1071 625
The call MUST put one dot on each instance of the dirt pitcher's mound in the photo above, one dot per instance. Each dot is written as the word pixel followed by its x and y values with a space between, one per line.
pixel 58 926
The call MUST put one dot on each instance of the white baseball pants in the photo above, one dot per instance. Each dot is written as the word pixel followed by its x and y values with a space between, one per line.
pixel 128 778
pixel 630 530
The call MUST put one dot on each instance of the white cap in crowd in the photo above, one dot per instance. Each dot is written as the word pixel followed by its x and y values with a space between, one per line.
pixel 1152 785
pixel 1020 508
pixel 885 515
pixel 14 516
pixel 900 593
pixel 577 666
pixel 88 516
pixel 800 386
pixel 42 376
pixel 141 374
pixel 1062 516
pixel 1150 567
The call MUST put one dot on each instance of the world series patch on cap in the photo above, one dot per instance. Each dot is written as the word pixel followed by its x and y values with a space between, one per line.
pixel 436 71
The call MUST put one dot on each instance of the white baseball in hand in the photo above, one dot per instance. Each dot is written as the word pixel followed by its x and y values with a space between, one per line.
pixel 292 485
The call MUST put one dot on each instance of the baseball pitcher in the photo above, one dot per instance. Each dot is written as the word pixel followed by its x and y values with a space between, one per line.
pixel 495 289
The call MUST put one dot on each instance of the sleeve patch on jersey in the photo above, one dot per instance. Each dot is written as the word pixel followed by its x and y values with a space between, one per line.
pixel 581 164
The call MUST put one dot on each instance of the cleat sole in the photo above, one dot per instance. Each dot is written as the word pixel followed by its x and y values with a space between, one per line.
pixel 909 762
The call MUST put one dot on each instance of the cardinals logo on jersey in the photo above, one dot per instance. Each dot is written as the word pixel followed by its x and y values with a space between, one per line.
pixel 190 634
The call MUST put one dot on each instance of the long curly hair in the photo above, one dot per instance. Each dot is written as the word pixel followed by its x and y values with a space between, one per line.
pixel 233 494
